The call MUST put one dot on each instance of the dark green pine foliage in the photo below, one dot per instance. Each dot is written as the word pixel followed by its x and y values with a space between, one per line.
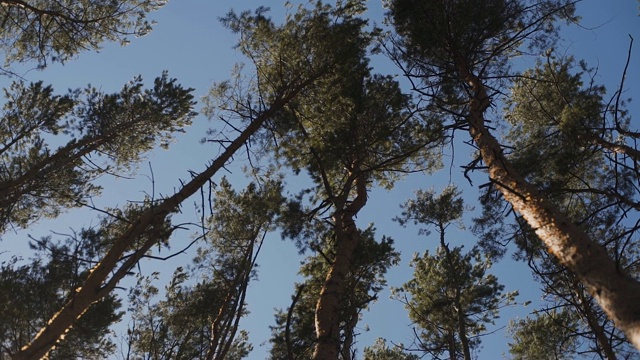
pixel 436 36
pixel 451 292
pixel 201 310
pixel 43 30
pixel 546 336
pixel 294 333
pixel 32 291
pixel 54 146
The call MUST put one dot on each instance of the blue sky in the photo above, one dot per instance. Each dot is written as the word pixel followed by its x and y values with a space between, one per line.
pixel 190 42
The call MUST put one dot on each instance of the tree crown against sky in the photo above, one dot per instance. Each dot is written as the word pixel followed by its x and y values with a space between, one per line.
pixel 297 78
pixel 98 133
pixel 42 31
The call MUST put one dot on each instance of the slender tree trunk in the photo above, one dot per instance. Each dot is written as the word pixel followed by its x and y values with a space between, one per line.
pixel 328 306
pixel 462 328
pixel 216 327
pixel 94 287
pixel 617 293
pixel 460 318
pixel 349 336
pixel 452 345
pixel 287 331
pixel 592 321
pixel 225 324
pixel 231 326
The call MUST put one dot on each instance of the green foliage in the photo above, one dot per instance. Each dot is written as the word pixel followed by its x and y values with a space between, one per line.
pixel 366 279
pixel 31 292
pixel 469 32
pixel 438 41
pixel 302 336
pixel 114 226
pixel 309 46
pixel 370 127
pixel 548 336
pixel 42 30
pixel 431 210
pixel 238 222
pixel 381 351
pixel 100 133
pixel 370 122
pixel 438 28
pixel 447 288
pixel 551 112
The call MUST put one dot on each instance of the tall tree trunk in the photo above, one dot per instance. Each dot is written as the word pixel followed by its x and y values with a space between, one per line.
pixel 462 328
pixel 452 345
pixel 328 307
pixel 460 318
pixel 617 293
pixel 349 333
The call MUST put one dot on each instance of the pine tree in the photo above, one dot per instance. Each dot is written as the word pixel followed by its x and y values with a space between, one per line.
pixel 547 336
pixel 370 135
pixel 451 297
pixel 459 51
pixel 381 351
pixel 576 178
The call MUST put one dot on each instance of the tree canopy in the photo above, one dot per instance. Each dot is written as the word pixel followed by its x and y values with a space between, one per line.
pixel 331 107
pixel 41 31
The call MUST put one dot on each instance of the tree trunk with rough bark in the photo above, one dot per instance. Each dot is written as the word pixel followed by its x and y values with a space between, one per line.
pixel 328 306
pixel 617 293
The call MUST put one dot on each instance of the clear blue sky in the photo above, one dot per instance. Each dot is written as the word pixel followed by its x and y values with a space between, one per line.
pixel 190 42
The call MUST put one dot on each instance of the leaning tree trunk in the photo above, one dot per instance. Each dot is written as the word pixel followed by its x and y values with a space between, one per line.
pixel 617 293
